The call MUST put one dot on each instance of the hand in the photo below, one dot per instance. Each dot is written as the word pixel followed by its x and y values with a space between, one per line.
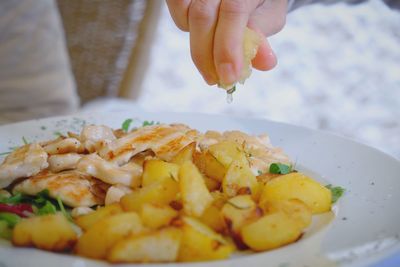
pixel 216 30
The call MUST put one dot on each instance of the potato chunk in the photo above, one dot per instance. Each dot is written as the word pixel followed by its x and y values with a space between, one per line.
pixel 200 243
pixel 295 208
pixel 155 170
pixel 97 240
pixel 154 216
pixel 239 178
pixel 195 195
pixel 209 165
pixel 158 193
pixel 271 231
pixel 86 221
pixel 297 186
pixel 226 152
pixel 160 246
pixel 186 154
pixel 50 232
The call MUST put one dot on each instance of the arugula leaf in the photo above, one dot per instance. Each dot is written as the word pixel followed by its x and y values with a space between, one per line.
pixel 5 230
pixel 24 140
pixel 64 212
pixel 336 192
pixel 15 199
pixel 11 218
pixel 149 123
pixel 47 208
pixel 280 168
pixel 126 124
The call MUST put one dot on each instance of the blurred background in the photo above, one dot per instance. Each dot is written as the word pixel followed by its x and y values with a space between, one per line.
pixel 338 70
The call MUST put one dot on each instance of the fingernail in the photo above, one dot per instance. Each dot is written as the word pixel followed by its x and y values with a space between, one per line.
pixel 226 73
pixel 210 79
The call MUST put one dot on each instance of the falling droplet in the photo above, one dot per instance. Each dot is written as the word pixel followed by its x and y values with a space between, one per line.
pixel 229 98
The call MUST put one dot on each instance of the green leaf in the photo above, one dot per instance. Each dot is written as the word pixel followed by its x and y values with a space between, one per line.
pixel 11 218
pixel 15 199
pixel 58 133
pixel 5 153
pixel 149 123
pixel 24 140
pixel 5 230
pixel 336 192
pixel 126 124
pixel 47 208
pixel 64 212
pixel 280 168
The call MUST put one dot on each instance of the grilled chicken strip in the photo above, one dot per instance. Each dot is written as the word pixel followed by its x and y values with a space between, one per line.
pixel 164 140
pixel 63 162
pixel 259 149
pixel 115 192
pixel 107 172
pixel 63 145
pixel 94 137
pixel 25 161
pixel 74 188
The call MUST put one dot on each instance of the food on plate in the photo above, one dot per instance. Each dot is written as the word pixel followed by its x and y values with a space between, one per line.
pixel 156 193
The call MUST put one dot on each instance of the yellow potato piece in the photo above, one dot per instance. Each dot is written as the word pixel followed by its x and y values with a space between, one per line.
pixel 237 212
pixel 297 186
pixel 49 232
pixel 154 216
pixel 158 193
pixel 226 152
pixel 295 208
pixel 97 240
pixel 87 220
pixel 186 154
pixel 271 231
pixel 195 196
pixel 212 217
pixel 209 165
pixel 159 246
pixel 239 179
pixel 156 170
pixel 251 42
pixel 201 243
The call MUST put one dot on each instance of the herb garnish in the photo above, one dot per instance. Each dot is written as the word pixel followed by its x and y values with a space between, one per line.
pixel 280 168
pixel 336 192
pixel 24 140
pixel 126 124
pixel 149 123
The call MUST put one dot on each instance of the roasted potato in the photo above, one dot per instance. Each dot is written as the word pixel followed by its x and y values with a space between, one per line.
pixel 101 237
pixel 186 154
pixel 158 193
pixel 87 220
pixel 159 246
pixel 270 231
pixel 295 208
pixel 50 232
pixel 297 186
pixel 156 170
pixel 200 243
pixel 239 179
pixel 154 216
pixel 195 196
pixel 209 165
pixel 226 152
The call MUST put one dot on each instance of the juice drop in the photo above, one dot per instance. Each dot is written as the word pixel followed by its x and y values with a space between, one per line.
pixel 229 98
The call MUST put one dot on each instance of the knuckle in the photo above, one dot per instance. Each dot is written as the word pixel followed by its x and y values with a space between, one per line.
pixel 234 7
pixel 201 11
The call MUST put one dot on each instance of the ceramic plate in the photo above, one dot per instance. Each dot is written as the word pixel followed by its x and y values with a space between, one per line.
pixel 362 230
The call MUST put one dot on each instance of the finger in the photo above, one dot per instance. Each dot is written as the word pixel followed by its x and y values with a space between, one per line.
pixel 265 58
pixel 203 16
pixel 269 18
pixel 179 13
pixel 228 39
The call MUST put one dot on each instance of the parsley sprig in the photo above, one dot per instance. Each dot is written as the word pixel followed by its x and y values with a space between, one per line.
pixel 280 168
pixel 336 192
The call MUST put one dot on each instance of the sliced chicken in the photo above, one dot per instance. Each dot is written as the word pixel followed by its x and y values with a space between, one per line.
pixel 115 192
pixel 63 145
pixel 94 137
pixel 164 140
pixel 63 162
pixel 79 211
pixel 259 149
pixel 107 172
pixel 74 188
pixel 25 161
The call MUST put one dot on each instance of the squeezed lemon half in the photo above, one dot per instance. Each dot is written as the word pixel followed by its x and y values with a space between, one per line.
pixel 251 42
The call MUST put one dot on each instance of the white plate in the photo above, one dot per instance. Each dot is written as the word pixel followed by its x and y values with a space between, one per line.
pixel 364 228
